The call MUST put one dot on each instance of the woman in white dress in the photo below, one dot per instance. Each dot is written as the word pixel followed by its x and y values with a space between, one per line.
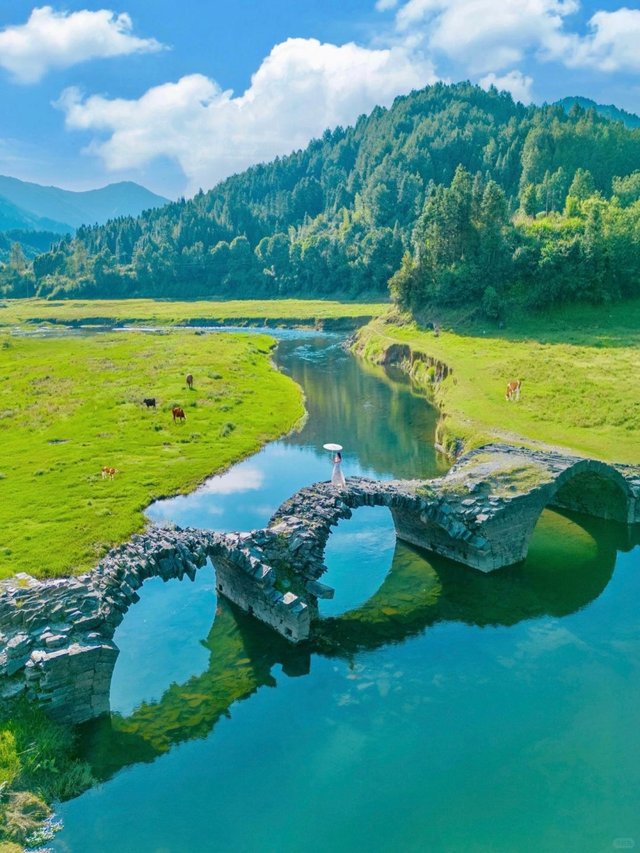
pixel 337 477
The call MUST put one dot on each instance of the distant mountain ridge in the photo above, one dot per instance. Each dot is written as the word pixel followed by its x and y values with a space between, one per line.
pixel 30 206
pixel 609 111
pixel 13 217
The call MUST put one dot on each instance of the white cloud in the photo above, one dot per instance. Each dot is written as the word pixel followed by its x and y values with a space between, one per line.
pixel 300 89
pixel 613 43
pixel 516 82
pixel 491 35
pixel 52 39
pixel 384 5
pixel 488 35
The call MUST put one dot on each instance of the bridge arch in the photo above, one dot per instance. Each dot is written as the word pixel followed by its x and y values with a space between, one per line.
pixel 358 556
pixel 585 486
pixel 306 520
pixel 354 499
pixel 595 488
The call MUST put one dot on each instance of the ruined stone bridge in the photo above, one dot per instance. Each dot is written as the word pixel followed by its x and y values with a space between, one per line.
pixel 482 513
pixel 56 637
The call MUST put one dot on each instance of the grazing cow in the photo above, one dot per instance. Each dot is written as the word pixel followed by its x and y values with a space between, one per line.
pixel 108 472
pixel 178 414
pixel 190 381
pixel 150 402
pixel 513 390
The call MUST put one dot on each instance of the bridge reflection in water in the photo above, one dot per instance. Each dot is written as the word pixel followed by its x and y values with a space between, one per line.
pixel 570 562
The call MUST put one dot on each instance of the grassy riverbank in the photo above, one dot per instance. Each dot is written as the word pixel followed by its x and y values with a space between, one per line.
pixel 306 312
pixel 580 373
pixel 72 405
pixel 37 767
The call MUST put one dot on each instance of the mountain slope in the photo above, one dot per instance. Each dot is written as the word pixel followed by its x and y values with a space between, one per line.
pixel 12 216
pixel 337 217
pixel 33 243
pixel 606 110
pixel 71 209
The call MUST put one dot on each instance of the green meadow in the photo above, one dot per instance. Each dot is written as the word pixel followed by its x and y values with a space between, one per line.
pixel 72 405
pixel 110 311
pixel 580 372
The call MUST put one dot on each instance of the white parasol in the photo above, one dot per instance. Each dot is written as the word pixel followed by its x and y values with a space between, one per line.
pixel 334 447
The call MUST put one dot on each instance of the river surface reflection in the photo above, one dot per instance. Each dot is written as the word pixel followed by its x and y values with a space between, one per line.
pixel 439 709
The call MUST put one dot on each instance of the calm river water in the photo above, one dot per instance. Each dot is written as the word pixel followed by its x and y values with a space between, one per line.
pixel 442 710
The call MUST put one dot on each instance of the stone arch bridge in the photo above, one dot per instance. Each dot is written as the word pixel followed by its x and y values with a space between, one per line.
pixel 56 637
pixel 482 513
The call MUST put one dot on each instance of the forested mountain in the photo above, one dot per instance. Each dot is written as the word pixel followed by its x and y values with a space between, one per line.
pixel 459 194
pixel 606 110
pixel 19 242
pixel 12 216
pixel 36 217
pixel 55 209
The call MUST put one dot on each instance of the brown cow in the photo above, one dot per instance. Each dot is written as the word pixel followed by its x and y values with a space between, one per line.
pixel 513 390
pixel 178 414
pixel 190 381
pixel 108 472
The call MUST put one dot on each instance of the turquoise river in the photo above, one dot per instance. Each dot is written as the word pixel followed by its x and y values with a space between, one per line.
pixel 439 709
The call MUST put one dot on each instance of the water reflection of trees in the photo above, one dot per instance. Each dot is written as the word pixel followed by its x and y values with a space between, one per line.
pixel 243 654
pixel 356 408
pixel 570 562
pixel 569 565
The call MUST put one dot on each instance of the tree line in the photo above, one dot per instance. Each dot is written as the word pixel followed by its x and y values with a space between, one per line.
pixel 454 194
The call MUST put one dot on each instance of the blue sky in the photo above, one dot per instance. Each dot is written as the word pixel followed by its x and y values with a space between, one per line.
pixel 178 95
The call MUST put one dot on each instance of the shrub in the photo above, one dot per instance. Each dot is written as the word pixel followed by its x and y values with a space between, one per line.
pixel 491 307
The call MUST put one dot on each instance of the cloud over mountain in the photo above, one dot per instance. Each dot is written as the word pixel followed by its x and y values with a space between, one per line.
pixel 301 88
pixel 487 36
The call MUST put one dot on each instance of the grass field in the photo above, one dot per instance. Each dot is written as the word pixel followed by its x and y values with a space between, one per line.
pixel 17 311
pixel 71 405
pixel 580 373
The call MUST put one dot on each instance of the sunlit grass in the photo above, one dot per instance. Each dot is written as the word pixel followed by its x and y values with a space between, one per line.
pixel 580 378
pixel 305 311
pixel 73 405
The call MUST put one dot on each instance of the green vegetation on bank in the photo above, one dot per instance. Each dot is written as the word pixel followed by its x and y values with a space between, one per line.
pixel 337 217
pixel 579 372
pixel 73 405
pixel 37 766
pixel 113 311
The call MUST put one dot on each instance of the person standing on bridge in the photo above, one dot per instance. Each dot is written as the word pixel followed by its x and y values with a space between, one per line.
pixel 337 477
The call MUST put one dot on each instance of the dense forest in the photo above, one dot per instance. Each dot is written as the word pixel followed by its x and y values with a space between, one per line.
pixel 26 244
pixel 454 194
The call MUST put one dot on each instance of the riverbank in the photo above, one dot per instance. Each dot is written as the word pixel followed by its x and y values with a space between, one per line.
pixel 72 405
pixel 309 313
pixel 579 372
pixel 38 766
